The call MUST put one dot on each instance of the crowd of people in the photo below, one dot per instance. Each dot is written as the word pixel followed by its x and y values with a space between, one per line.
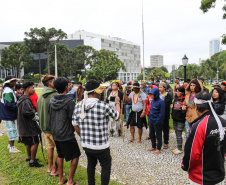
pixel 94 113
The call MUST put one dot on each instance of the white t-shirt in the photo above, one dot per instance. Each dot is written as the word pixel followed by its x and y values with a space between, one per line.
pixel 139 105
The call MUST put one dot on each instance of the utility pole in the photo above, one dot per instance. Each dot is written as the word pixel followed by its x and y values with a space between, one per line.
pixel 56 62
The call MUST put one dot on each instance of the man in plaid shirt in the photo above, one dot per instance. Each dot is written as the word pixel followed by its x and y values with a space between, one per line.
pixel 90 120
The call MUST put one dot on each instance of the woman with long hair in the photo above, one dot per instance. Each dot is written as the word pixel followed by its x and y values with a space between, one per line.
pixel 114 126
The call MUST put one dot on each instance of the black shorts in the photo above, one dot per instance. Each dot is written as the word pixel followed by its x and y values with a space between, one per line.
pixel 68 149
pixel 136 120
pixel 30 140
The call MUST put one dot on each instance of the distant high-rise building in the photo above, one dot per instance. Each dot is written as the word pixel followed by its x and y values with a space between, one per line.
pixel 170 68
pixel 156 61
pixel 214 46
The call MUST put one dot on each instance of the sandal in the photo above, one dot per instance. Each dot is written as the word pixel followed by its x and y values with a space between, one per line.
pixel 157 152
pixel 147 138
pixel 151 149
pixel 75 183
pixel 65 181
pixel 130 141
pixel 165 146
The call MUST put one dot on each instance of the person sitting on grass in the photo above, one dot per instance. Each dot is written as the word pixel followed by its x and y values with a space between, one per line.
pixel 28 129
pixel 61 109
pixel 156 118
pixel 178 116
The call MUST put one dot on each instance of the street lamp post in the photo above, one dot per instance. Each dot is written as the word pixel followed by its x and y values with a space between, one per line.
pixel 217 74
pixel 185 62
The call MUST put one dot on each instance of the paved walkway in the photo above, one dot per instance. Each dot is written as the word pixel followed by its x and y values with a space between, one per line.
pixel 133 164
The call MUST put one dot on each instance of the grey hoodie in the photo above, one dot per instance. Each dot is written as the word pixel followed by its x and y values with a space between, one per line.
pixel 61 108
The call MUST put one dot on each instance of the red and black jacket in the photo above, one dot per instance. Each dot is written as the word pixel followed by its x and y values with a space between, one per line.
pixel 203 152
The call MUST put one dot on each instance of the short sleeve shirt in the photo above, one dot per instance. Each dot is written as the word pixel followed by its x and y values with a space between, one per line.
pixel 139 105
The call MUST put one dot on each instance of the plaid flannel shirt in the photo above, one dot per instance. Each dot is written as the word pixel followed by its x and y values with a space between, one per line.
pixel 94 128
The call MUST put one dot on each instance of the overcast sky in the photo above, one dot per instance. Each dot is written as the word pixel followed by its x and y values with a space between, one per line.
pixel 172 27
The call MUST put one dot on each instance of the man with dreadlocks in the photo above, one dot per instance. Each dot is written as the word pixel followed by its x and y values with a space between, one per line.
pixel 205 147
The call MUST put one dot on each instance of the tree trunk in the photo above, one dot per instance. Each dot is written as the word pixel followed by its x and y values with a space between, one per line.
pixel 18 71
pixel 40 69
pixel 48 60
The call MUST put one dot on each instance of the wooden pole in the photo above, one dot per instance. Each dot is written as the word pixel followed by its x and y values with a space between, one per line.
pixel 122 119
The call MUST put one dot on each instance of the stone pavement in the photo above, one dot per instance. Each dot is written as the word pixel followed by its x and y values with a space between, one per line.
pixel 133 164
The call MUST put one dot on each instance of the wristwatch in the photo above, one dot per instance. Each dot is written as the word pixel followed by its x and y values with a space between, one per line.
pixel 117 102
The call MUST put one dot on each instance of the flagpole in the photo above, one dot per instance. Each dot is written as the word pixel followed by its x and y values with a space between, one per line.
pixel 56 62
pixel 143 39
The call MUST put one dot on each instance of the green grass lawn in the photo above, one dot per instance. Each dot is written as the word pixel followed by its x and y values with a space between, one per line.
pixel 14 170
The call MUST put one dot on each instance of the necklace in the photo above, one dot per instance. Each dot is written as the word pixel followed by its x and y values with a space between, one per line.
pixel 114 94
pixel 135 101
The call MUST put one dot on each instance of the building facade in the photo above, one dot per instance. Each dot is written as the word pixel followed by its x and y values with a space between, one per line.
pixel 156 61
pixel 128 52
pixel 43 58
pixel 214 46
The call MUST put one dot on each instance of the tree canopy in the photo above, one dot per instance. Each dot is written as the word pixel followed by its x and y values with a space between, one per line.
pixel 16 56
pixel 207 69
pixel 206 5
pixel 46 38
pixel 104 65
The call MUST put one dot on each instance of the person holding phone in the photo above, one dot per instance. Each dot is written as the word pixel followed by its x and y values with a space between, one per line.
pixel 114 126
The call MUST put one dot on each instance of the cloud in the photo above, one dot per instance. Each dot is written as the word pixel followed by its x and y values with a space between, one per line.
pixel 172 28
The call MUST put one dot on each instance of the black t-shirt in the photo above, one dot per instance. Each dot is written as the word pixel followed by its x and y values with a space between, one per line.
pixel 177 113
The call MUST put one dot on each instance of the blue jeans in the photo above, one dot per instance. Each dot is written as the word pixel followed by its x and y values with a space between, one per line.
pixel 187 128
pixel 128 108
pixel 156 132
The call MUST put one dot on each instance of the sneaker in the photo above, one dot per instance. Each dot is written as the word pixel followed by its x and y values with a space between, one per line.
pixel 176 151
pixel 14 150
pixel 1 134
pixel 35 164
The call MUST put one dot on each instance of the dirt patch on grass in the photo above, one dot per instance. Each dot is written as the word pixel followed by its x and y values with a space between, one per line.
pixel 2 180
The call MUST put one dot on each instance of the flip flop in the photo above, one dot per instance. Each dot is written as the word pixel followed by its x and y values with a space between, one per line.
pixel 147 138
pixel 165 147
pixel 151 149
pixel 57 175
pixel 65 181
pixel 157 152
pixel 130 141
pixel 75 183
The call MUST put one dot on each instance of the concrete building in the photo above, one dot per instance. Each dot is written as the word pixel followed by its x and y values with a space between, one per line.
pixel 156 61
pixel 170 68
pixel 127 51
pixel 3 71
pixel 214 46
pixel 35 68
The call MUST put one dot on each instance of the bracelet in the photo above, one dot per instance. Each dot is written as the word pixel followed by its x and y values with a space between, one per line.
pixel 143 112
pixel 117 102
